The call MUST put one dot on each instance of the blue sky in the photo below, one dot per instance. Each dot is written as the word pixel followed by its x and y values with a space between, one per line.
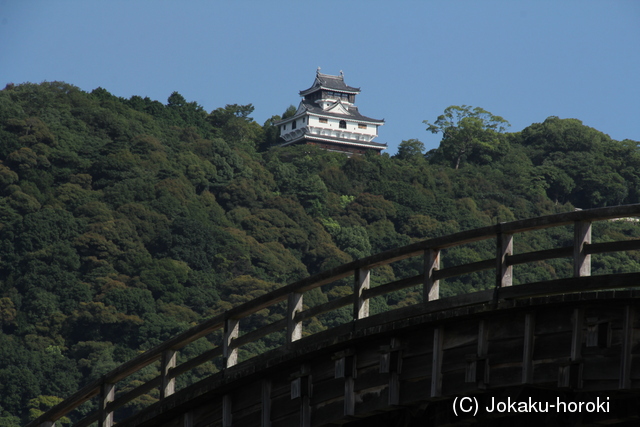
pixel 522 60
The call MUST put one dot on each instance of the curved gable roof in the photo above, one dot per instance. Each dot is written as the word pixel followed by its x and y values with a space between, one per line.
pixel 353 113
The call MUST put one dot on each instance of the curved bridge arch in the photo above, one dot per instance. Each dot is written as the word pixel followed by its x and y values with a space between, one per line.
pixel 564 340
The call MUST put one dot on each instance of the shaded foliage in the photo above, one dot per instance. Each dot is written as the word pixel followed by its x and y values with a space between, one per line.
pixel 125 221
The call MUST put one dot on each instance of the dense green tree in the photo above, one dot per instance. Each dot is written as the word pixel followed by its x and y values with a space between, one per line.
pixel 41 404
pixel 186 113
pixel 125 221
pixel 410 149
pixel 468 132
pixel 581 165
pixel 271 133
pixel 289 112
pixel 236 126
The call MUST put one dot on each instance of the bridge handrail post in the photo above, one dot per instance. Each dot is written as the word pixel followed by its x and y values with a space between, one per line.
pixel 581 238
pixel 431 286
pixel 265 400
pixel 627 344
pixel 107 395
pixel 104 388
pixel 504 271
pixel 294 306
pixel 231 331
pixel 168 386
pixel 361 282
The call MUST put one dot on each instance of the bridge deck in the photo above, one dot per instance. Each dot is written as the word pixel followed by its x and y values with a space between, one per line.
pixel 574 336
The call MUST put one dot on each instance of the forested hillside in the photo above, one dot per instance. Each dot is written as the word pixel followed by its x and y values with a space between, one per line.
pixel 126 221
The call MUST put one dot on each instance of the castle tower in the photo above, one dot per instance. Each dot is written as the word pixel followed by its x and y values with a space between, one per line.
pixel 327 117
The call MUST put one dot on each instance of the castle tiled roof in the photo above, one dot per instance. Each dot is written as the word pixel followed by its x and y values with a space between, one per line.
pixel 354 114
pixel 328 82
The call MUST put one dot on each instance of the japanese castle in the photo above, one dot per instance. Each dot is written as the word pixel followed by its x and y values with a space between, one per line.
pixel 327 117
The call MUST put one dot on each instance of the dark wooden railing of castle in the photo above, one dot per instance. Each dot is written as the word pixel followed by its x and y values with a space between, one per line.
pixel 504 295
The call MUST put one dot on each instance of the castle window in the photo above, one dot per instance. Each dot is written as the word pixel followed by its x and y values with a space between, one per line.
pixel 338 95
pixel 343 124
pixel 323 120
pixel 362 126
pixel 293 124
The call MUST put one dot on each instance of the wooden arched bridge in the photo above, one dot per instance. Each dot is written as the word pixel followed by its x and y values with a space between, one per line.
pixel 571 342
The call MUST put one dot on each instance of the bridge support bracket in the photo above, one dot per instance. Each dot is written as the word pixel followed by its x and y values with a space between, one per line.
pixel 570 375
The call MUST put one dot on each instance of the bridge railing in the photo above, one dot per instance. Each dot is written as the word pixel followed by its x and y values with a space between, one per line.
pixel 229 322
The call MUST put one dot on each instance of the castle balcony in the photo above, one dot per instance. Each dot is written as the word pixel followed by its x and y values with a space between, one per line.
pixel 338 133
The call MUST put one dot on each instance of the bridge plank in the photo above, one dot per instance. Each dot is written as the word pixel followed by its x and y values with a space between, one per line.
pixel 573 284
pixel 132 394
pixel 393 389
pixel 482 371
pixel 187 419
pixel 324 308
pixel 623 245
pixel 265 400
pixel 627 340
pixel 506 376
pixel 209 415
pixel 557 292
pixel 457 359
pixel 87 421
pixel 539 255
pixel 453 378
pixel 393 286
pixel 368 400
pixel 567 218
pixel 417 368
pixel 196 361
pixel 247 398
pixel 415 391
pixel 527 351
pixel 327 390
pixel 505 351
pixel 247 419
pixel 255 335
pixel 283 407
pixel 349 397
pixel 436 370
pixel 577 333
pixel 459 270
pixel 456 239
pixel 603 367
pixel 227 407
pixel 324 414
